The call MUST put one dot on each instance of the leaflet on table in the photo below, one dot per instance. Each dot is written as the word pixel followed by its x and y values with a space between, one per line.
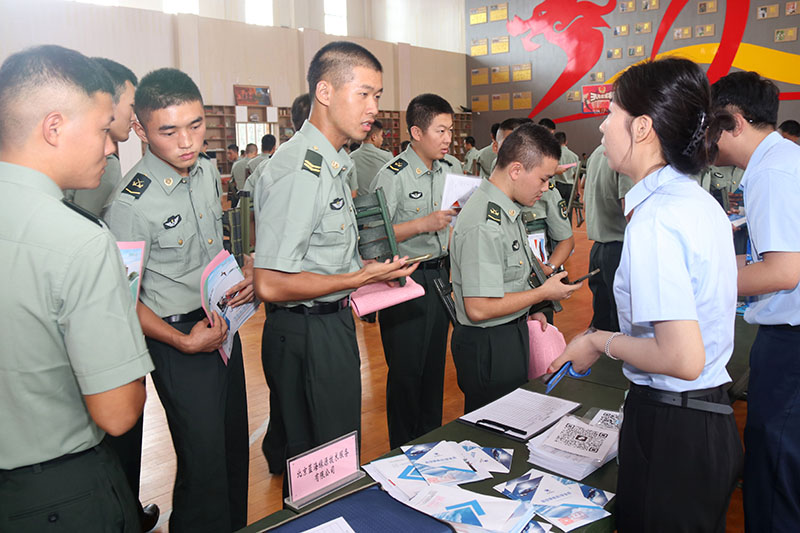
pixel 397 476
pixel 520 414
pixel 221 274
pixel 444 463
pixel 562 502
pixel 571 464
pixel 337 525
pixel 465 508
pixel 571 434
pixel 490 459
pixel 132 253
pixel 457 190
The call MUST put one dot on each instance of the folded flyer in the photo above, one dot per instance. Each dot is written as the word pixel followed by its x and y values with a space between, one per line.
pixel 132 253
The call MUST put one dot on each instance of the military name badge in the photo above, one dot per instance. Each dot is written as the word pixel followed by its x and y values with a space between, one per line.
pixel 137 185
pixel 172 221
pixel 562 206
pixel 337 204
pixel 515 245
pixel 415 195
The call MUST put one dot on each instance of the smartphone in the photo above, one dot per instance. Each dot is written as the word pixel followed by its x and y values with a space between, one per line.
pixel 572 282
pixel 418 259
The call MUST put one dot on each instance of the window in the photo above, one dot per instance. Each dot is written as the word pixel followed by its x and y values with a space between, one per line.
pixel 258 12
pixel 182 6
pixel 336 17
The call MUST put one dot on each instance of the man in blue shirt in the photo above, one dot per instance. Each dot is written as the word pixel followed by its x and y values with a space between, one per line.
pixel 771 185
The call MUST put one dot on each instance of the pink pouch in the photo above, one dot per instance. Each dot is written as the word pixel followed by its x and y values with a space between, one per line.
pixel 545 347
pixel 377 296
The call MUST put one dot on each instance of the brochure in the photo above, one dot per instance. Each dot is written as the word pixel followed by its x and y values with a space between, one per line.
pixel 444 463
pixel 221 274
pixel 132 253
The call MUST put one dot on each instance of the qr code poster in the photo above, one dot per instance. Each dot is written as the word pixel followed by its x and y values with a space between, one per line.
pixel 606 419
pixel 572 435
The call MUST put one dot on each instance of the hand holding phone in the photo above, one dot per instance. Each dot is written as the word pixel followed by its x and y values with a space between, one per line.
pixel 592 273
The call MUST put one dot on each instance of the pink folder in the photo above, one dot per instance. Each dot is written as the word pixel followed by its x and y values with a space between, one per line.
pixel 377 296
pixel 545 346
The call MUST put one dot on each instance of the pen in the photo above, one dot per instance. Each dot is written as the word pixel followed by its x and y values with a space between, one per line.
pixel 504 427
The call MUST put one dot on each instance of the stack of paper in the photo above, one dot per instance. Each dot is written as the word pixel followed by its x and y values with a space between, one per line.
pixel 445 463
pixel 562 502
pixel 574 448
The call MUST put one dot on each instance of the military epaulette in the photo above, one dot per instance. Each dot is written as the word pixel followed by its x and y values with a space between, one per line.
pixel 443 160
pixel 552 186
pixel 81 211
pixel 493 212
pixel 137 185
pixel 397 166
pixel 313 162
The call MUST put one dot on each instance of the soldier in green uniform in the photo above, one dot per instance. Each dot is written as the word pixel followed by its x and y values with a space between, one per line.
pixel 94 200
pixel 492 268
pixel 470 156
pixel 369 158
pixel 604 199
pixel 74 354
pixel 268 143
pixel 455 164
pixel 414 333
pixel 488 154
pixel 565 177
pixel 549 231
pixel 307 261
pixel 171 201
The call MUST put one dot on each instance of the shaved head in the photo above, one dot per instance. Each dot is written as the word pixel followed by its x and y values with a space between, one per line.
pixel 335 62
pixel 44 79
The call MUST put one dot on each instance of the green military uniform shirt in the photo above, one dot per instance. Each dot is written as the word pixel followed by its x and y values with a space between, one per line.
pixel 490 252
pixel 69 326
pixel 548 216
pixel 94 200
pixel 603 194
pixel 469 160
pixel 180 221
pixel 239 172
pixel 252 164
pixel 368 160
pixel 486 161
pixel 306 221
pixel 412 191
pixel 455 164
pixel 723 181
pixel 567 158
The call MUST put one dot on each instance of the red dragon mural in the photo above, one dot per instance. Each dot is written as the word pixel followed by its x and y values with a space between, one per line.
pixel 574 26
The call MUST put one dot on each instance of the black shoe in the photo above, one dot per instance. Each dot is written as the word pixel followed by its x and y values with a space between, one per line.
pixel 149 517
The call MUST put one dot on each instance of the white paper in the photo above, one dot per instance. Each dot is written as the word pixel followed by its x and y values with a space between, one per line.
pixel 606 419
pixel 397 474
pixel 337 525
pixel 489 459
pixel 272 114
pixel 529 412
pixel 444 463
pixel 538 243
pixel 457 190
pixel 573 435
pixel 460 506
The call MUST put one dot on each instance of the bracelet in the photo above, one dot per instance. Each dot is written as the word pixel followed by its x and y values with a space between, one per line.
pixel 548 264
pixel 608 344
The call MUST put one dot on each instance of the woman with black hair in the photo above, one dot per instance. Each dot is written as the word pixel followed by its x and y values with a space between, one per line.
pixel 675 288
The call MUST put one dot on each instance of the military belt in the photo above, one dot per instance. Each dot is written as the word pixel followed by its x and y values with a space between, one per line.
pixel 782 327
pixel 193 316
pixel 317 308
pixel 38 467
pixel 434 264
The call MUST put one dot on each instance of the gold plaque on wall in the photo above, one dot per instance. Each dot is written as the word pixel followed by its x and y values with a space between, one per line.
pixel 500 74
pixel 477 15
pixel 521 72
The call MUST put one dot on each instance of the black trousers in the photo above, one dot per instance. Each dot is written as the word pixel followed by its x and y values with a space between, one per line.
pixel 677 467
pixel 414 337
pixel 605 256
pixel 490 362
pixel 313 371
pixel 772 433
pixel 128 448
pixel 206 406
pixel 83 492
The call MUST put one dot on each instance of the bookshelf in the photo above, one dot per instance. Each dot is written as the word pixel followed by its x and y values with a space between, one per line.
pixel 462 127
pixel 220 132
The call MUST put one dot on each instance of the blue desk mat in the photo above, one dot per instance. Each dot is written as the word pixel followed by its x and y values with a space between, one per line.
pixel 367 511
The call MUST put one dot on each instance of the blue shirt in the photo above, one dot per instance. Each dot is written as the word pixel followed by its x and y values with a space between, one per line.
pixel 677 263
pixel 771 185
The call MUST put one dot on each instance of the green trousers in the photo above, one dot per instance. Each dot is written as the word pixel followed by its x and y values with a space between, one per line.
pixel 490 362
pixel 313 371
pixel 80 492
pixel 414 337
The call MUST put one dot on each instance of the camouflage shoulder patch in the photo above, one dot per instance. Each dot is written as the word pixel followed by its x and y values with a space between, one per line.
pixel 397 166
pixel 81 211
pixel 313 162
pixel 562 207
pixel 493 212
pixel 137 186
